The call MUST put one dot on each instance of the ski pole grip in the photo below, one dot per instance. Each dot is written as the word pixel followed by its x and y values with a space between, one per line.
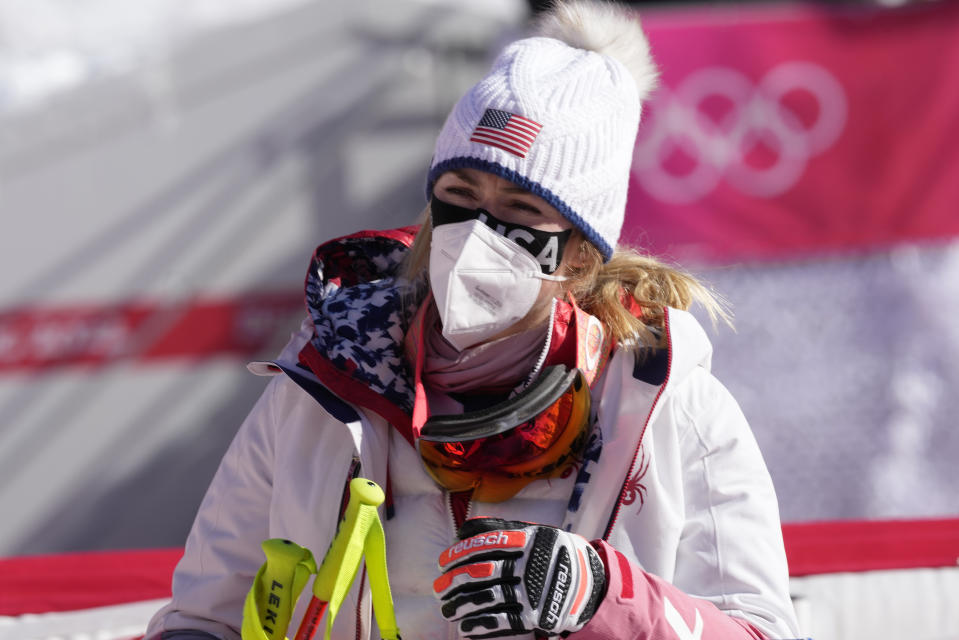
pixel 269 603
pixel 366 492
pixel 365 497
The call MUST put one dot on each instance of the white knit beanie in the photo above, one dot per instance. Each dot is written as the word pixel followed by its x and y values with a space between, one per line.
pixel 557 115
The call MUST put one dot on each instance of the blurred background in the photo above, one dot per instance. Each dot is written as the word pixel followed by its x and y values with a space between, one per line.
pixel 167 167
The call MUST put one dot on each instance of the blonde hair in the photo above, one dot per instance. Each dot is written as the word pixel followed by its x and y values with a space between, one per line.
pixel 602 289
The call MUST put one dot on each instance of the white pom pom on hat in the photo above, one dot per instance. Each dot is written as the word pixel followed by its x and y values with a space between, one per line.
pixel 558 113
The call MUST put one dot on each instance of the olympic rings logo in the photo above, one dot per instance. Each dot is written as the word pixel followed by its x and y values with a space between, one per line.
pixel 755 116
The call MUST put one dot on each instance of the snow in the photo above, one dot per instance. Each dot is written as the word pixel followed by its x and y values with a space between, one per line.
pixel 51 45
pixel 48 46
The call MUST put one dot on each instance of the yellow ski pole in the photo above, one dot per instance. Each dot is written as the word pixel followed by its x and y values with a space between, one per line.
pixel 269 603
pixel 279 582
pixel 360 533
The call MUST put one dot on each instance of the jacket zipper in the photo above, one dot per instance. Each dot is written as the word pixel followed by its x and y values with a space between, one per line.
pixel 449 511
pixel 359 605
pixel 545 351
pixel 614 516
pixel 453 633
pixel 452 514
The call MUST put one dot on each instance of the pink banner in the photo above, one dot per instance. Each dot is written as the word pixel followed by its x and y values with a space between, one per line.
pixel 787 131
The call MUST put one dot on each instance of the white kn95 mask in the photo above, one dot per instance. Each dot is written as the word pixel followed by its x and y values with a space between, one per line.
pixel 482 282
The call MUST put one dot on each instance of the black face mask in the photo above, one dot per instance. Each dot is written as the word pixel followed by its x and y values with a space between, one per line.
pixel 545 246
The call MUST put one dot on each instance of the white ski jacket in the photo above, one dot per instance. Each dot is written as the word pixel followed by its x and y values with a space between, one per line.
pixel 673 489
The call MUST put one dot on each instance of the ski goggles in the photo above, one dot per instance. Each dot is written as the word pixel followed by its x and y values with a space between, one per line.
pixel 497 451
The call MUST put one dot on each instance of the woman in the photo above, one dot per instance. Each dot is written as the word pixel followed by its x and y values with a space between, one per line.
pixel 556 455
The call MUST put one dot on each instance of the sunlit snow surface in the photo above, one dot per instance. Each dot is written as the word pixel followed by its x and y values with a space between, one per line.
pixel 50 45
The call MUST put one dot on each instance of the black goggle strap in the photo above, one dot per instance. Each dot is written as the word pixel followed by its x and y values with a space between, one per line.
pixel 546 246
pixel 534 400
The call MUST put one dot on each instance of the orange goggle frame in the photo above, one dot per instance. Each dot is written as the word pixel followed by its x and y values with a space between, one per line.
pixel 497 451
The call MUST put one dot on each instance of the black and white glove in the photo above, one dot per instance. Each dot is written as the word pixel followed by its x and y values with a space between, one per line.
pixel 506 578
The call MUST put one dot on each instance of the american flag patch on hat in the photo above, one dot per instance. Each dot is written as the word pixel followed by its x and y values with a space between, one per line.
pixel 506 131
